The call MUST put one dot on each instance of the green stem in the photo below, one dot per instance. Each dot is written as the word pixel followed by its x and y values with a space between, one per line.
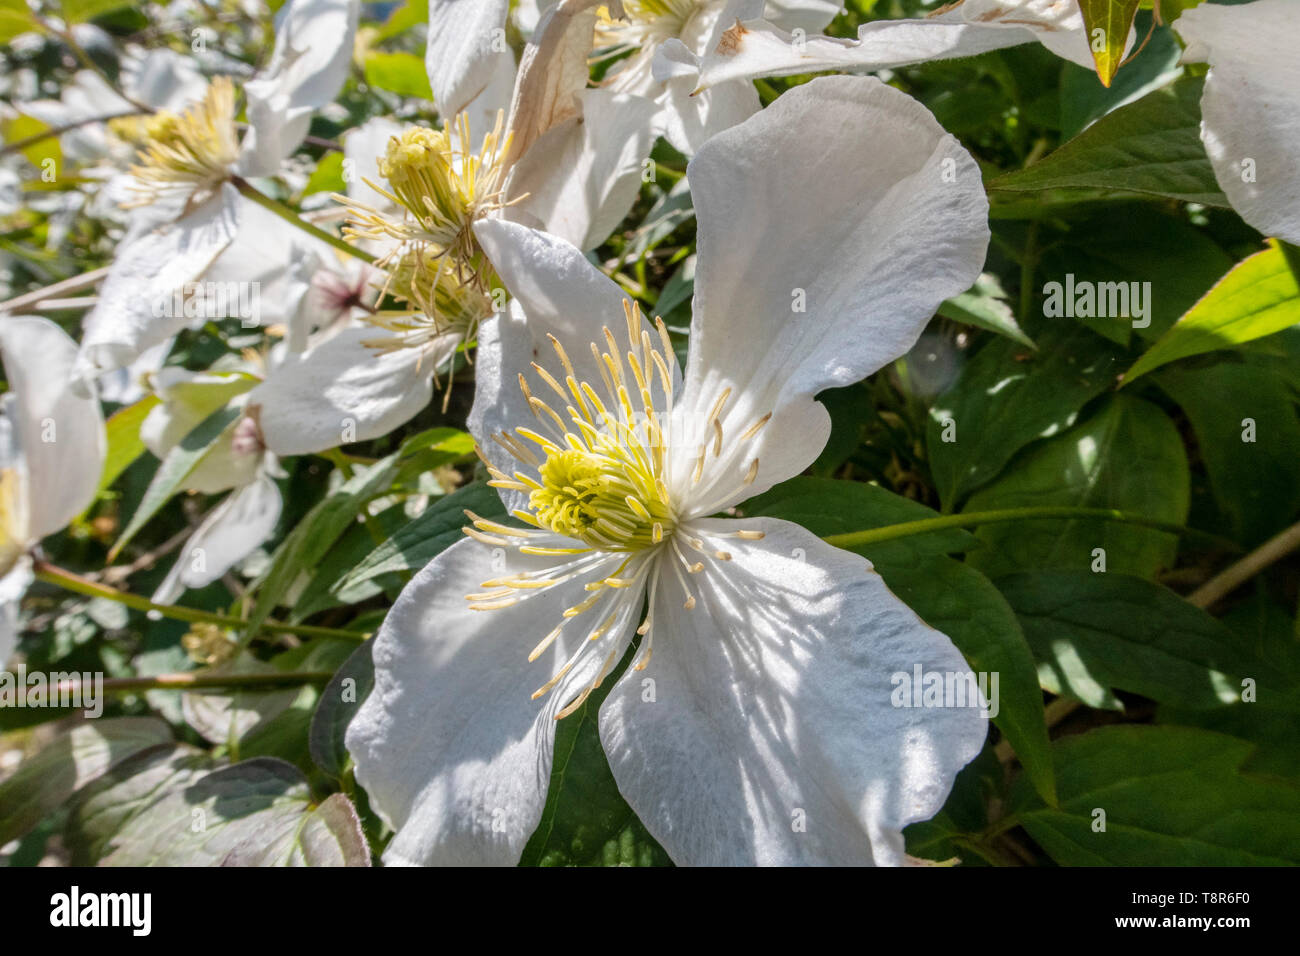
pixel 292 218
pixel 857 539
pixel 57 576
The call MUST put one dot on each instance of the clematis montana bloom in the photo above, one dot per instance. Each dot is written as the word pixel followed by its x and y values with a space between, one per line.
pixel 52 449
pixel 187 215
pixel 769 652
pixel 753 47
pixel 1250 112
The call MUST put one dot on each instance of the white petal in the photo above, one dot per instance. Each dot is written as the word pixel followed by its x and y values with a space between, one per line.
pixel 691 119
pixel 231 532
pixel 466 45
pixel 770 737
pixel 164 79
pixel 553 73
pixel 313 51
pixel 343 391
pixel 1250 115
pixel 59 430
pixel 135 310
pixel 581 177
pixel 762 48
pixel 886 218
pixel 450 747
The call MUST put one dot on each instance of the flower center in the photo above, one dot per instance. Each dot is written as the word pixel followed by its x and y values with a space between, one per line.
pixel 601 476
pixel 193 150
pixel 441 186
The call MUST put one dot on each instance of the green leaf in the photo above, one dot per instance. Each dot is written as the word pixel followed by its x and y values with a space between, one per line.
pixel 176 468
pixel 400 73
pixel 22 127
pixel 254 813
pixel 825 506
pixel 1172 796
pixel 985 307
pixel 339 702
pixel 1107 23
pixel 80 11
pixel 1256 482
pixel 1174 262
pixel 1094 632
pixel 954 598
pixel 425 537
pixel 1258 297
pixel 999 404
pixel 124 444
pixel 586 821
pixel 44 781
pixel 327 177
pixel 15 18
pixel 404 17
pixel 1152 147
pixel 104 807
pixel 1129 456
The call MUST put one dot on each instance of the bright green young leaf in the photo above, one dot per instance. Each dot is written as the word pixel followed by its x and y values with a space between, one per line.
pixel 1258 297
pixel 1108 23
pixel 80 11
pixel 1172 796
pixel 15 18
pixel 176 468
pixel 1128 455
pixel 1152 147
pixel 400 73
pixel 1006 398
pixel 954 598
pixel 124 444
pixel 1094 632
pixel 327 177
pixel 45 153
pixel 985 307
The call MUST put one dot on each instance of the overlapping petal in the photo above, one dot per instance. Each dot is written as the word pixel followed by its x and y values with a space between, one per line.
pixel 768 735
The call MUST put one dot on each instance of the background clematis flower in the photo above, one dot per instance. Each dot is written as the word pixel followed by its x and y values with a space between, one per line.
pixel 52 449
pixel 770 651
pixel 188 212
pixel 751 46
pixel 238 461
pixel 1250 113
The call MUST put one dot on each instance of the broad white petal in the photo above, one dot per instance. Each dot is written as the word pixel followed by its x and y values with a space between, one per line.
pixel 804 284
pixel 466 47
pixel 758 47
pixel 581 177
pixel 231 532
pixel 59 430
pixel 164 79
pixel 691 119
pixel 344 391
pixel 1250 116
pixel 771 737
pixel 553 73
pixel 450 747
pixel 313 50
pixel 136 306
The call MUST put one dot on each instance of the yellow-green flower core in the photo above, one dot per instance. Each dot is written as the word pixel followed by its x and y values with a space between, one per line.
pixel 192 151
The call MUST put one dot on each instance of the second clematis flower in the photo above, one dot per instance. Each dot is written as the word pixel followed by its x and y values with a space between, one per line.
pixel 769 650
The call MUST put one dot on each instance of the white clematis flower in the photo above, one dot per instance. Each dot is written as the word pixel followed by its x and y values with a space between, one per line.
pixel 52 449
pixel 187 212
pixel 1250 112
pixel 771 651
pixel 752 47
pixel 238 461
